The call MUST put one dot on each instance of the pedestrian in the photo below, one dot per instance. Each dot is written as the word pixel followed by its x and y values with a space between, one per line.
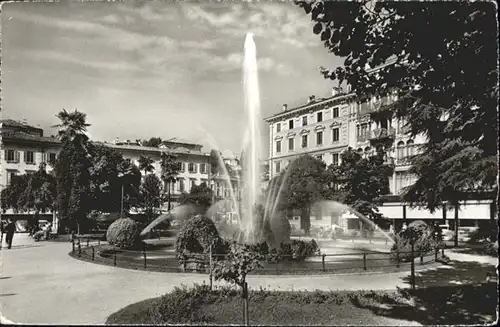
pixel 10 229
pixel 1 233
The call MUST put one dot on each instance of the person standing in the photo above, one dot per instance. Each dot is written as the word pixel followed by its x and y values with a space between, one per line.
pixel 1 233
pixel 10 229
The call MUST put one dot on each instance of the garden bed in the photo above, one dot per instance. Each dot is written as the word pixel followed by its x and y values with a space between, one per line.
pixel 199 305
pixel 105 254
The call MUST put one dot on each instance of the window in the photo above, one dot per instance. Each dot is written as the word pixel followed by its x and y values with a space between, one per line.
pixel 410 148
pixel 363 131
pixel 291 144
pixel 335 135
pixel 319 138
pixel 192 167
pixel 304 141
pixel 278 127
pixel 203 168
pixel 193 183
pixel 11 156
pixel 179 166
pixel 29 157
pixel 278 166
pixel 290 124
pixel 335 113
pixel 278 146
pixel 304 121
pixel 403 179
pixel 52 158
pixel 335 159
pixel 319 116
pixel 182 186
pixel 400 150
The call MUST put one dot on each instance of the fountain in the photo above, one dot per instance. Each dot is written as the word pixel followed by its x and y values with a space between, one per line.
pixel 252 222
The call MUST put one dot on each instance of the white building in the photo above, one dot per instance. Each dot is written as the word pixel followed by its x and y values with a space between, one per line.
pixel 325 127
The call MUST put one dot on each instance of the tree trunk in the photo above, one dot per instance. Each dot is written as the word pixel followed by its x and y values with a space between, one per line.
pixel 169 185
pixel 456 225
pixel 305 220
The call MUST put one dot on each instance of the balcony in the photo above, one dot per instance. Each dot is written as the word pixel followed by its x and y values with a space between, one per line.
pixel 368 107
pixel 362 137
pixel 383 133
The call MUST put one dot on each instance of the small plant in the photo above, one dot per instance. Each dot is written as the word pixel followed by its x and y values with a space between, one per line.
pixel 239 262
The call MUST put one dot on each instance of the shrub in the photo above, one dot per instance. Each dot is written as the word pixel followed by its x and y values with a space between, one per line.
pixel 124 233
pixel 491 248
pixel 197 235
pixel 421 234
pixel 180 306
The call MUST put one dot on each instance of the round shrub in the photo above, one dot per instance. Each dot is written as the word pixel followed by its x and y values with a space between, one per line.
pixel 197 235
pixel 421 234
pixel 124 234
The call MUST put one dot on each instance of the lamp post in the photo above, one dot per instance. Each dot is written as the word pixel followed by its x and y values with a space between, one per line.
pixel 121 176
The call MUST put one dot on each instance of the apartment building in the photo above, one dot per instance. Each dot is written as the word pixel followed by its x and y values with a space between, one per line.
pixel 24 147
pixel 324 127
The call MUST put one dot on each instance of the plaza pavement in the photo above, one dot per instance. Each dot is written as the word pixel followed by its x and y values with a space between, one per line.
pixel 41 284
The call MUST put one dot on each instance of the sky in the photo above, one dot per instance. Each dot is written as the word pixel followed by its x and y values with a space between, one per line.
pixel 157 69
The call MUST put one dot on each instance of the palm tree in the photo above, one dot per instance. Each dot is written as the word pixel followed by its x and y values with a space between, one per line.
pixel 169 171
pixel 72 167
pixel 146 164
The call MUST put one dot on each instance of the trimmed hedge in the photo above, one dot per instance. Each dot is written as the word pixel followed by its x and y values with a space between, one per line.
pixel 423 237
pixel 124 233
pixel 196 236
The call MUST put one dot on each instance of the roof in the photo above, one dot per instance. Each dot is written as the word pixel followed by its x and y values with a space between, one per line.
pixel 179 150
pixel 21 136
pixel 318 102
pixel 179 140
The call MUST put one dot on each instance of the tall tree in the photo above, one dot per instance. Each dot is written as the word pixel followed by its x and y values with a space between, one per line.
pixel 359 182
pixel 441 60
pixel 303 186
pixel 72 169
pixel 13 193
pixel 130 181
pixel 146 164
pixel 106 184
pixel 169 170
pixel 151 194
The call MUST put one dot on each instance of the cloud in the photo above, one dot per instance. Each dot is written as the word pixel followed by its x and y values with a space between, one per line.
pixel 280 22
pixel 54 55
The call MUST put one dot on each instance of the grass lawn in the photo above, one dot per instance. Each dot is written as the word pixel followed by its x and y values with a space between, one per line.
pixel 459 304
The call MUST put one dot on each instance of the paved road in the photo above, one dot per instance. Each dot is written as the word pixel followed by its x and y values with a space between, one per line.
pixel 41 284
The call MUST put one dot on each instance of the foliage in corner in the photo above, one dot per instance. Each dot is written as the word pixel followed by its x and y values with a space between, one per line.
pixel 422 52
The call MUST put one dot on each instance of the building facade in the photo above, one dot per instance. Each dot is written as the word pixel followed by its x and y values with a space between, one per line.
pixel 325 127
pixel 24 148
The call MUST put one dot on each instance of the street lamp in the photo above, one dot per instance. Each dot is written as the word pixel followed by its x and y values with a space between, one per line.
pixel 121 177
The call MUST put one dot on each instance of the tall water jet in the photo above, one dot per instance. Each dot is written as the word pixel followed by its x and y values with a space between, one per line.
pixel 251 168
